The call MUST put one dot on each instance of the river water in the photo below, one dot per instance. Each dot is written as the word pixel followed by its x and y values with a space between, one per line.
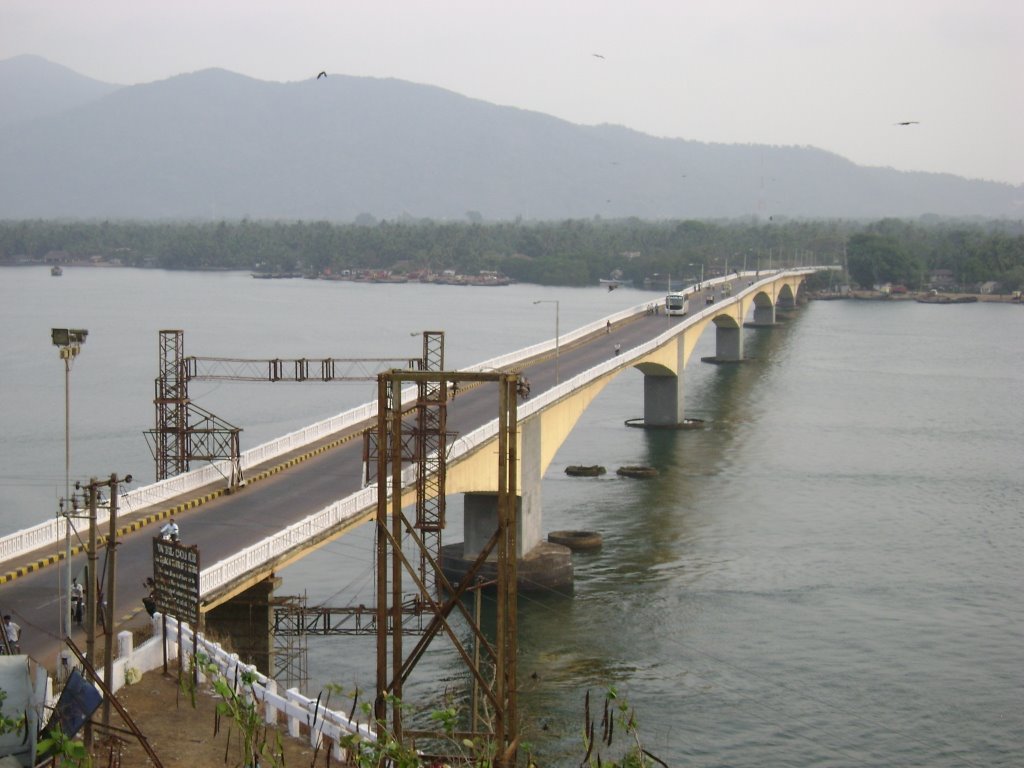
pixel 829 574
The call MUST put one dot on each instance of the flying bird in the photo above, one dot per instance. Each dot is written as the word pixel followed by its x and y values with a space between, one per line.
pixel 597 55
pixel 322 74
pixel 909 122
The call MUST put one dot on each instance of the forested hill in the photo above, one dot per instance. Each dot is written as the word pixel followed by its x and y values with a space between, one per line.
pixel 217 145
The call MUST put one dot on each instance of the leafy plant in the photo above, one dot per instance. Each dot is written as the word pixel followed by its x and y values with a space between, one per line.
pixel 72 753
pixel 238 703
pixel 9 724
pixel 615 711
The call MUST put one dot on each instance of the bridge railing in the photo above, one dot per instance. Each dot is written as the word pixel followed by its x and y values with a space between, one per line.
pixel 291 708
pixel 52 532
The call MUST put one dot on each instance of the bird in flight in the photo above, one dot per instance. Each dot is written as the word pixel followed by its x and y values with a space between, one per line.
pixel 909 122
pixel 597 55
pixel 322 74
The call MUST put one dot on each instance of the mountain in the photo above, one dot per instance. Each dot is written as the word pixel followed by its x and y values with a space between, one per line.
pixel 32 87
pixel 215 144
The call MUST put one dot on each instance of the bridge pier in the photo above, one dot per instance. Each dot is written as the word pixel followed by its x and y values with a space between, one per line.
pixel 728 343
pixel 763 316
pixel 663 400
pixel 245 623
pixel 542 566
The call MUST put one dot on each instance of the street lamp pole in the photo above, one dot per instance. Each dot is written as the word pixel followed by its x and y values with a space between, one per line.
pixel 557 334
pixel 69 342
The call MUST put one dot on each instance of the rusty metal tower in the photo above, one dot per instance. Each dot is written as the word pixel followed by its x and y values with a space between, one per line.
pixel 434 596
pixel 184 432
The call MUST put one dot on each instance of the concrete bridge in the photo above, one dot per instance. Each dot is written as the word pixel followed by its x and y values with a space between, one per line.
pixel 305 489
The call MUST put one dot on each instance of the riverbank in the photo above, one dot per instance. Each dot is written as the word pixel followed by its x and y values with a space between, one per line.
pixel 924 297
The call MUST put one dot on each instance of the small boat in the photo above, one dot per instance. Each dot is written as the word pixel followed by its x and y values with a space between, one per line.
pixel 56 271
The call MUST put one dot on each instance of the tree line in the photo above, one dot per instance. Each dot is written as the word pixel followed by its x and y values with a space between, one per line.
pixel 573 252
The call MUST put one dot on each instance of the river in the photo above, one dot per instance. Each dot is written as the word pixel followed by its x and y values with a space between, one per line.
pixel 829 574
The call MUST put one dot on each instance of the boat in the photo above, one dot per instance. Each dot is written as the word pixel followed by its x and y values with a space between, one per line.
pixel 56 271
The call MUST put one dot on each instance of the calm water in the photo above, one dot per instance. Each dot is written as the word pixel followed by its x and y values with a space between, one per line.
pixel 829 575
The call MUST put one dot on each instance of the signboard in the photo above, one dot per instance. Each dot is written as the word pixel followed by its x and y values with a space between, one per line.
pixel 176 573
pixel 77 702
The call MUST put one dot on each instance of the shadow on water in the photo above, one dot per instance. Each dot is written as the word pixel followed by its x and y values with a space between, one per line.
pixel 663 507
pixel 652 530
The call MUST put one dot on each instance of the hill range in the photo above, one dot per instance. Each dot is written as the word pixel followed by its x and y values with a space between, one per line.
pixel 217 145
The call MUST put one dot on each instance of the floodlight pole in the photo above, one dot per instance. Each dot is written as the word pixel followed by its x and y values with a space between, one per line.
pixel 69 342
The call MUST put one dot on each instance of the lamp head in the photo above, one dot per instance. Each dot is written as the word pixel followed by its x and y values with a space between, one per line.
pixel 66 337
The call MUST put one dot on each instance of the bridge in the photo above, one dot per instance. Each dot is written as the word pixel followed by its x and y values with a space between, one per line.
pixel 306 488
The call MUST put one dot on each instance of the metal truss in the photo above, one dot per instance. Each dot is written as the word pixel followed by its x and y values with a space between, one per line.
pixel 492 665
pixel 185 432
pixel 296 369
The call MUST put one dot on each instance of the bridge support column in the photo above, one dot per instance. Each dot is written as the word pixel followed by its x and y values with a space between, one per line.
pixel 540 564
pixel 246 622
pixel 728 344
pixel 663 400
pixel 544 566
pixel 763 316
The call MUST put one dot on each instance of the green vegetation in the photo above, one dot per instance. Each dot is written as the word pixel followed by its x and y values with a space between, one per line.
pixel 571 252
pixel 237 702
pixel 71 752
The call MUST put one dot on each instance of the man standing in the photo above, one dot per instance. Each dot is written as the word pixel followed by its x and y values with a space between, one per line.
pixel 77 600
pixel 13 634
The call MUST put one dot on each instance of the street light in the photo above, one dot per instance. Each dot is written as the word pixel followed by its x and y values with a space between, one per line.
pixel 557 335
pixel 69 342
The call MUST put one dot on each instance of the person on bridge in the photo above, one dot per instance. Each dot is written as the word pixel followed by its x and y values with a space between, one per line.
pixel 77 601
pixel 169 530
pixel 618 348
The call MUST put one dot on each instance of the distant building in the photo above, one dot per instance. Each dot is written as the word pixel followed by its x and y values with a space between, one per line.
pixel 941 279
pixel 989 287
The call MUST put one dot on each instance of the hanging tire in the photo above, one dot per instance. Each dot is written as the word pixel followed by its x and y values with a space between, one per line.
pixel 579 470
pixel 636 471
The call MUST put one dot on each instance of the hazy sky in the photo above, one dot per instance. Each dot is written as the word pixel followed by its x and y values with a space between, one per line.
pixel 834 74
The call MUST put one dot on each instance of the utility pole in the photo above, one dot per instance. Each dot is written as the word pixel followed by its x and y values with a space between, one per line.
pixel 93 584
pixel 108 650
pixel 92 598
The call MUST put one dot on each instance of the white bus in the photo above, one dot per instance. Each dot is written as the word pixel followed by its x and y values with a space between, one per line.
pixel 677 304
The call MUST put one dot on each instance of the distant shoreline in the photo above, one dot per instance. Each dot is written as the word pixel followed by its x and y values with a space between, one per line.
pixel 953 298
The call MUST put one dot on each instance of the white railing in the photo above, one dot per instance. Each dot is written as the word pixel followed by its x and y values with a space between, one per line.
pixel 291 709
